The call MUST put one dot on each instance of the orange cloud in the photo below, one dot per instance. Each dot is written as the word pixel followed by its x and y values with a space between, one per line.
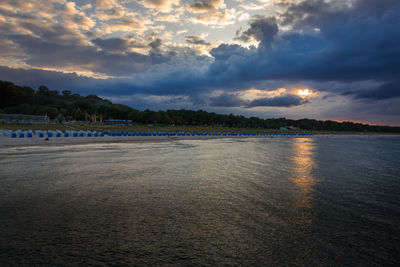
pixel 161 5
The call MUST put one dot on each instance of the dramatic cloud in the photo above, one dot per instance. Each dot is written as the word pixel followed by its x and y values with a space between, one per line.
pixel 201 6
pixel 227 100
pixel 121 45
pixel 197 40
pixel 162 5
pixel 210 52
pixel 385 91
pixel 234 100
pixel 127 24
pixel 261 29
pixel 279 101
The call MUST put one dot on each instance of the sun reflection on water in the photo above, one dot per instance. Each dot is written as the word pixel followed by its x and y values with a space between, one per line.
pixel 303 179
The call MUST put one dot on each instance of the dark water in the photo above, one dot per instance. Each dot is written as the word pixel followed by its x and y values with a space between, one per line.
pixel 281 201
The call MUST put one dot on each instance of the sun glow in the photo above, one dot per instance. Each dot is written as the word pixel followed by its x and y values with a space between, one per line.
pixel 304 92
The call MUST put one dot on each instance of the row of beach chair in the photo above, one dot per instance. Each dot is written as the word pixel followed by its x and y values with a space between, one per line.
pixel 68 133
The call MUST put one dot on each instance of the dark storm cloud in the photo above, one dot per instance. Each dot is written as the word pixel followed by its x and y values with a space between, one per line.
pixel 197 40
pixel 261 29
pixel 225 51
pixel 86 57
pixel 328 43
pixel 52 79
pixel 385 91
pixel 345 45
pixel 227 100
pixel 337 44
pixel 116 44
pixel 206 5
pixel 234 100
pixel 155 46
pixel 278 101
pixel 107 87
pixel 78 56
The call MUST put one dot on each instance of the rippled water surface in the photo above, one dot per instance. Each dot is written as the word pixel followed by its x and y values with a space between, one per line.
pixel 280 201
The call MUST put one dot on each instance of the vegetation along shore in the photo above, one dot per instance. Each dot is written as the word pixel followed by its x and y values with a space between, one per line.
pixel 68 111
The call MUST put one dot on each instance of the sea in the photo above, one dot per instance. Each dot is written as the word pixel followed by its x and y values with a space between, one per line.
pixel 305 201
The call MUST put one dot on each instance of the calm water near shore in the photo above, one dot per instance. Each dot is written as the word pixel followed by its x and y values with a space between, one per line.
pixel 320 200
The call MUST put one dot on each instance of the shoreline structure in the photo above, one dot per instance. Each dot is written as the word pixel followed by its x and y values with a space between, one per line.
pixel 9 138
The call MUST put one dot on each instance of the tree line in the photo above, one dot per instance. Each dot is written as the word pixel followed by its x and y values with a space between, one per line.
pixel 16 99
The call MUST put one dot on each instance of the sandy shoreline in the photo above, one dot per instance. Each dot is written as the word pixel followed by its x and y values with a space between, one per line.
pixel 6 142
pixel 36 141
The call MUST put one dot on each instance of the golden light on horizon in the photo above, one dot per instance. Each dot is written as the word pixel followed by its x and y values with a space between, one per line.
pixel 304 92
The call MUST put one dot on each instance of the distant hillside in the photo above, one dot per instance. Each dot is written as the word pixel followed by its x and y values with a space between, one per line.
pixel 16 99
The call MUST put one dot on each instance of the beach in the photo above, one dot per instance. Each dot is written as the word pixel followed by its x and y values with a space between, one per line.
pixel 37 141
pixel 54 141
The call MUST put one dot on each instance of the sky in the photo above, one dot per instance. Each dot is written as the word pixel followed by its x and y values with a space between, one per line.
pixel 320 59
